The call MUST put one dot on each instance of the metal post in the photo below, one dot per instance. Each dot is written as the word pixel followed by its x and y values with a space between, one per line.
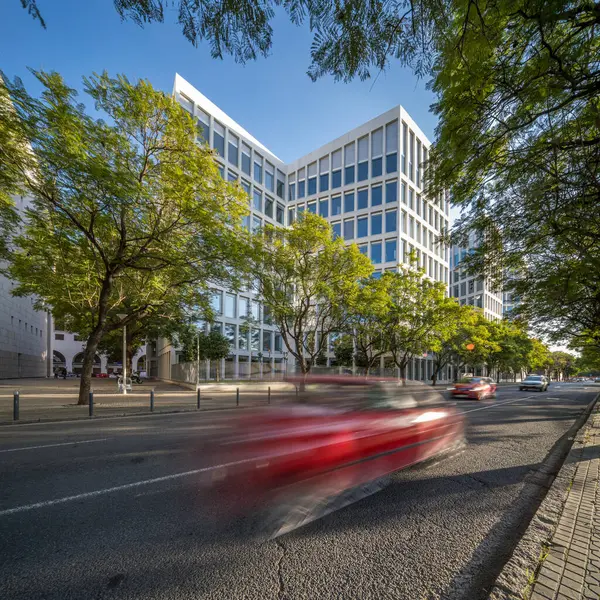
pixel 198 398
pixel 237 396
pixel 16 406
pixel 269 395
pixel 151 400
pixel 91 403
pixel 124 359
pixel 197 360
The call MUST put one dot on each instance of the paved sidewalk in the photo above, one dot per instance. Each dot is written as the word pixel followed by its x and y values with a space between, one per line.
pixel 571 568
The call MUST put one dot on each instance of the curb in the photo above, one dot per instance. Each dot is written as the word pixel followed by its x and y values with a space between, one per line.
pixel 555 475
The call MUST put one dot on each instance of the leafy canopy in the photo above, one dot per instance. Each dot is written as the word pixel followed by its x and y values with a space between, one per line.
pixel 309 282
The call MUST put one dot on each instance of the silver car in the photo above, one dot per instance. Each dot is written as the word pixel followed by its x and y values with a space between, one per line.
pixel 534 382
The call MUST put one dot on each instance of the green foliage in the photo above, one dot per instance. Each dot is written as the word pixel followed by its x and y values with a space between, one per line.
pixel 343 350
pixel 310 282
pixel 129 215
pixel 417 314
pixel 518 145
pixel 514 347
pixel 539 357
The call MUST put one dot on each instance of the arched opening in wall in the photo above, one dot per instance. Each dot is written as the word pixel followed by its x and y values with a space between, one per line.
pixel 59 362
pixel 78 364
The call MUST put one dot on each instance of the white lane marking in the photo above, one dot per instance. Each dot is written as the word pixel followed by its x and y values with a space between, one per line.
pixel 117 488
pixel 496 404
pixel 54 445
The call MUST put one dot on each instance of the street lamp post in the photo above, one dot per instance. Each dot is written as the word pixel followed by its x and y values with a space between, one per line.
pixel 124 370
pixel 197 360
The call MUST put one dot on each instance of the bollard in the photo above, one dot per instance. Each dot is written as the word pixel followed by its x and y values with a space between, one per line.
pixel 296 391
pixel 151 400
pixel 198 398
pixel 16 406
pixel 269 395
pixel 91 404
pixel 237 396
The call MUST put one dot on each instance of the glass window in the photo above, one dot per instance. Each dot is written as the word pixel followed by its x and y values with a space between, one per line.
pixel 349 229
pixel 376 221
pixel 336 160
pixel 324 165
pixel 246 222
pixel 230 334
pixel 324 182
pixel 258 168
pixel 363 198
pixel 404 146
pixel 324 207
pixel 256 223
pixel 279 214
pixel 266 340
pixel 246 159
pixel 391 191
pixel 257 204
pixel 376 167
pixel 278 342
pixel 255 339
pixel 203 126
pixel 363 149
pixel 312 207
pixel 403 192
pixel 363 171
pixel 280 184
pixel 391 251
pixel 349 202
pixel 418 163
pixel 349 175
pixel 291 216
pixel 391 221
pixel 411 204
pixel 300 209
pixel 364 249
pixel 411 227
pixel 312 185
pixel 337 230
pixel 269 203
pixel 418 205
pixel 301 189
pixel 336 206
pixel 186 103
pixel 376 253
pixel 411 156
pixel 391 163
pixel 216 302
pixel 362 227
pixel 221 170
pixel 230 305
pixel 219 138
pixel 377 142
pixel 232 149
pixel 244 307
pixel 291 192
pixel 404 222
pixel 349 155
pixel 243 342
pixel 336 179
pixel 255 310
pixel 376 195
pixel 231 176
pixel 391 137
pixel 270 177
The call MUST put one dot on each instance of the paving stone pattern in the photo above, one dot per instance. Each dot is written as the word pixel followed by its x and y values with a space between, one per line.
pixel 571 569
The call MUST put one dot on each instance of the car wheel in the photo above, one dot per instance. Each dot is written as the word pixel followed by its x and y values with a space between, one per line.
pixel 521 389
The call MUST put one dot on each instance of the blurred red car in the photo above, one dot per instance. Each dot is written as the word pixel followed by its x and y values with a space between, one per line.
pixel 332 445
pixel 474 388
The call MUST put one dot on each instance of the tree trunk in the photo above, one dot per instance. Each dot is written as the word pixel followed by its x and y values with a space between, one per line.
pixel 217 370
pixel 402 367
pixel 434 378
pixel 88 365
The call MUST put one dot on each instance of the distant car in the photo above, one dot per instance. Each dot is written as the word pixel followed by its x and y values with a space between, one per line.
pixel 475 388
pixel 597 380
pixel 534 382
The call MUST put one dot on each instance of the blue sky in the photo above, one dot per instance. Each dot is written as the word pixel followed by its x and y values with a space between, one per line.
pixel 272 98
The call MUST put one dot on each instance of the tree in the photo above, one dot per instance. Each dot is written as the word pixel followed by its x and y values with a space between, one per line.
pixel 418 308
pixel 366 322
pixel 539 357
pixel 343 349
pixel 129 216
pixel 214 346
pixel 514 348
pixel 563 364
pixel 310 282
pixel 463 340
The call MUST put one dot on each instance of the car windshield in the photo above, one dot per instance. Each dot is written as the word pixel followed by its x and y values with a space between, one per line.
pixel 471 380
pixel 533 378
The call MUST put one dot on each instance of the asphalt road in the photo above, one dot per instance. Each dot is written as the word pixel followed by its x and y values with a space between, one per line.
pixel 114 509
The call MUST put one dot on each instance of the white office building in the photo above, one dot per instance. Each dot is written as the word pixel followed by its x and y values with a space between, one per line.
pixel 472 290
pixel 368 183
pixel 25 343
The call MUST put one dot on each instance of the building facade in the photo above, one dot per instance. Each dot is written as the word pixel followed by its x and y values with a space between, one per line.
pixel 475 291
pixel 367 183
pixel 25 343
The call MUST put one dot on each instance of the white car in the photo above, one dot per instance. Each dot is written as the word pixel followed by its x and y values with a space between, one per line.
pixel 534 382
